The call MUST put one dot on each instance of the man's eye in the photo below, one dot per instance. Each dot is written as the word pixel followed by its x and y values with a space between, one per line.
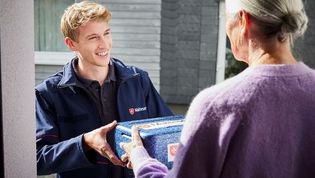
pixel 92 38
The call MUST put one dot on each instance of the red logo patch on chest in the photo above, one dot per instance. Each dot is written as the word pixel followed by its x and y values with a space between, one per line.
pixel 131 111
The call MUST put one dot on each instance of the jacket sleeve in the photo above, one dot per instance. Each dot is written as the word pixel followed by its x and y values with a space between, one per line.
pixel 54 155
pixel 203 147
pixel 155 103
pixel 145 166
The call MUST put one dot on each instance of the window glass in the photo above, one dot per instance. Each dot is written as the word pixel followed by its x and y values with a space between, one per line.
pixel 47 16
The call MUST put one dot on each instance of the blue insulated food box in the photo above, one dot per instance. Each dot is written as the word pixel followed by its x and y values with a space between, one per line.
pixel 160 136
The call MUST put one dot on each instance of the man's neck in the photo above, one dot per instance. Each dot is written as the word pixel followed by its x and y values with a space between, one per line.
pixel 93 72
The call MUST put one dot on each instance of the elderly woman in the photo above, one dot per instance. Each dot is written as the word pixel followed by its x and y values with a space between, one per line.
pixel 260 123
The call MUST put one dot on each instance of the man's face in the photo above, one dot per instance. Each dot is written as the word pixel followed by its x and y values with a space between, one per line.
pixel 94 44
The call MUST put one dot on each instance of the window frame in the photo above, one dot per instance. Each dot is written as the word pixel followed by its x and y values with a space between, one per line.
pixel 52 58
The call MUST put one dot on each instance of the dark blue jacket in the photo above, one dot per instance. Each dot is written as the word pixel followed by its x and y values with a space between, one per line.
pixel 64 111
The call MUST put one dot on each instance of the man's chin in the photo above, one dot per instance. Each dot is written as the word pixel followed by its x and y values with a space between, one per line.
pixel 103 60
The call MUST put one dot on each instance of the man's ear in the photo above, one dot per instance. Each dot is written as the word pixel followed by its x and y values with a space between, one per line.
pixel 70 43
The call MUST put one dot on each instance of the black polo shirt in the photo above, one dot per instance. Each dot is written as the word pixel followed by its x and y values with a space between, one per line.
pixel 103 96
pixel 105 100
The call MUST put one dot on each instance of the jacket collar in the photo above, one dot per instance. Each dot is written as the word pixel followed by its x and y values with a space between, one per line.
pixel 69 77
pixel 124 72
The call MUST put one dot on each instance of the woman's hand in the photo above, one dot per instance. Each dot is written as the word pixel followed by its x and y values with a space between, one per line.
pixel 128 147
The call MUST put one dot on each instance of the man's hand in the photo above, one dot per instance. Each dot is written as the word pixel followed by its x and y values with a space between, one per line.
pixel 128 147
pixel 97 140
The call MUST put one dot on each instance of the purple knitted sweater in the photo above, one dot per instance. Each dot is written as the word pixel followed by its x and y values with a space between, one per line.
pixel 258 124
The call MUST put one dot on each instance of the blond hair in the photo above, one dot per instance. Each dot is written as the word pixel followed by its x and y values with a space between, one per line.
pixel 79 14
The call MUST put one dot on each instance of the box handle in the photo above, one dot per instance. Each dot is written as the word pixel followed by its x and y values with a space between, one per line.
pixel 126 136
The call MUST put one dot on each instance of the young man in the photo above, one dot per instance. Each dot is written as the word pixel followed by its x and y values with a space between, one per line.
pixel 78 107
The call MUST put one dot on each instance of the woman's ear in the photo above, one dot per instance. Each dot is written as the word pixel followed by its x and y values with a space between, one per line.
pixel 244 22
pixel 70 43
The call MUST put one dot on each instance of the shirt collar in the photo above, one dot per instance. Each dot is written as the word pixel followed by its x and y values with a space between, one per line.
pixel 111 76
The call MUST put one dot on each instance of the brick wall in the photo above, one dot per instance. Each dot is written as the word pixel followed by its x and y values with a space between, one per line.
pixel 189 35
pixel 305 47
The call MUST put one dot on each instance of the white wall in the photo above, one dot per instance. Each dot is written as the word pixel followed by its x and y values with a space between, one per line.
pixel 17 88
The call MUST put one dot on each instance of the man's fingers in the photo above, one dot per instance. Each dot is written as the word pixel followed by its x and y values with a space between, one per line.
pixel 109 126
pixel 129 165
pixel 124 158
pixel 108 152
pixel 117 161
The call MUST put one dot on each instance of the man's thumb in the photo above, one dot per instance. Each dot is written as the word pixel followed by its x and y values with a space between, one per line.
pixel 109 126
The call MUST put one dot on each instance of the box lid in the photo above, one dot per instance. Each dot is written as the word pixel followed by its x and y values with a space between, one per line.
pixel 153 126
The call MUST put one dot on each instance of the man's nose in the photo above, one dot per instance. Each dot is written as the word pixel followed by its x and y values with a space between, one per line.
pixel 104 42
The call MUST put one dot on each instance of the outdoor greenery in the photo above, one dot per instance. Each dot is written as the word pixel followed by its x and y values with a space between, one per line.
pixel 233 66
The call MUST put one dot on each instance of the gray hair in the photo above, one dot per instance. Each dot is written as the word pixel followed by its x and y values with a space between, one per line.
pixel 285 19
